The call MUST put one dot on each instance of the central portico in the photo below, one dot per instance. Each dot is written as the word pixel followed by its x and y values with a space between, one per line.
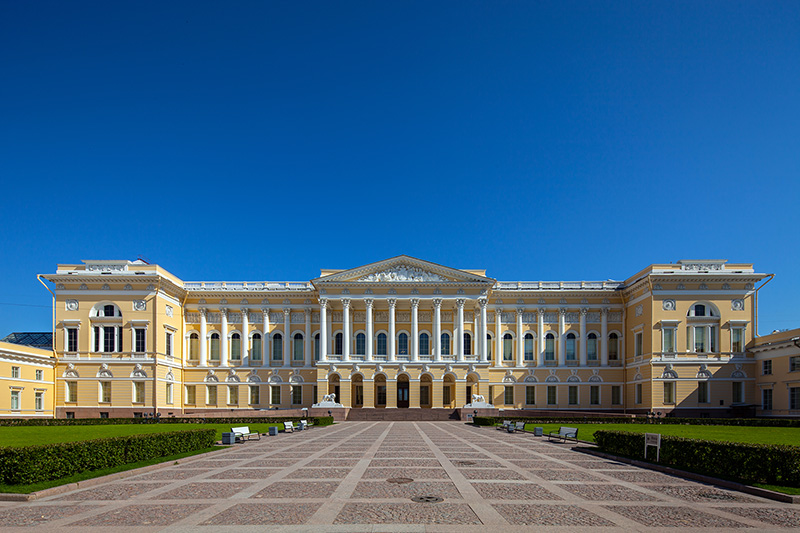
pixel 402 332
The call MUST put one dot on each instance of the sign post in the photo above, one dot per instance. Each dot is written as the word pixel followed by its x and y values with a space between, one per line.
pixel 652 439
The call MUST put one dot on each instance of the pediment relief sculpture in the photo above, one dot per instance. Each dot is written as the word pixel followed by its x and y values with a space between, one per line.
pixel 403 273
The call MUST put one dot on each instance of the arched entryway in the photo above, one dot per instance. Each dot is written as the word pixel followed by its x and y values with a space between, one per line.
pixel 380 390
pixel 357 391
pixel 449 392
pixel 402 391
pixel 425 391
pixel 334 387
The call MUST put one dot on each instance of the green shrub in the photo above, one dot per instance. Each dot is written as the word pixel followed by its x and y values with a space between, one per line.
pixel 484 420
pixel 47 462
pixel 753 422
pixel 322 420
pixel 773 464
pixel 163 420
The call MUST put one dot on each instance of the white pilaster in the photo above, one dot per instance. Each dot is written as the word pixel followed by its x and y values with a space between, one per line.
pixel 460 304
pixel 437 329
pixel 415 329
pixel 223 337
pixel 604 336
pixel 520 339
pixel 287 334
pixel 541 339
pixel 498 341
pixel 583 355
pixel 265 340
pixel 392 335
pixel 562 338
pixel 203 339
pixel 370 327
pixel 307 342
pixel 346 328
pixel 323 329
pixel 245 339
pixel 484 330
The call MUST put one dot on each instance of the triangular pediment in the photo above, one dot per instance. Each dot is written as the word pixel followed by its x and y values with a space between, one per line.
pixel 402 269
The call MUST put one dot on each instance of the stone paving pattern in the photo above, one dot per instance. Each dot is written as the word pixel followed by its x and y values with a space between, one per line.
pixel 361 476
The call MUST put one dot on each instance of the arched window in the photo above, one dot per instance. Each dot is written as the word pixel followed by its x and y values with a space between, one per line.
pixel 316 347
pixel 508 347
pixel 338 343
pixel 613 346
pixel 215 346
pixel 591 347
pixel 467 344
pixel 297 347
pixel 549 347
pixel 445 344
pixel 109 310
pixel 381 344
pixel 194 345
pixel 528 347
pixel 424 344
pixel 236 346
pixel 256 347
pixel 570 346
pixel 277 347
pixel 361 344
pixel 402 344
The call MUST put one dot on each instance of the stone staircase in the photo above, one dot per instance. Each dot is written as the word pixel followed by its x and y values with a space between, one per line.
pixel 398 415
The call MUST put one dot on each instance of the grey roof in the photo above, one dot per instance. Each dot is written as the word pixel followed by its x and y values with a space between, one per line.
pixel 43 340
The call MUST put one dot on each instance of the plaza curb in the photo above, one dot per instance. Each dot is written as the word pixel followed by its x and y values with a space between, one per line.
pixel 748 489
pixel 53 491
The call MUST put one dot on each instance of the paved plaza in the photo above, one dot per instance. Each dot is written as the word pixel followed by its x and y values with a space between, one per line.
pixel 365 476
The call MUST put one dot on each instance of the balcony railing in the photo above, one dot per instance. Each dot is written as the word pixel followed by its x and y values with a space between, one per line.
pixel 246 286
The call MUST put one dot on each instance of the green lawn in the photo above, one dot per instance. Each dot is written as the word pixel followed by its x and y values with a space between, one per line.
pixel 18 436
pixel 754 435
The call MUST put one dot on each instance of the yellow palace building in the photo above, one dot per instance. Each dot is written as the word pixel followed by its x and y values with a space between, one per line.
pixel 130 338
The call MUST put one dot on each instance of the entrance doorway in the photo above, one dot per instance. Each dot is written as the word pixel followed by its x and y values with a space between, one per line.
pixel 469 393
pixel 402 391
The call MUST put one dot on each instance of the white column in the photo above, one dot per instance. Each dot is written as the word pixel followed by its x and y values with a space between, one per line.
pixel 583 356
pixel 307 342
pixel 265 340
pixel 455 349
pixel 223 337
pixel 562 339
pixel 245 339
pixel 604 336
pixel 498 341
pixel 370 327
pixel 437 329
pixel 476 343
pixel 346 328
pixel 392 339
pixel 542 341
pixel 329 329
pixel 287 341
pixel 520 339
pixel 415 329
pixel 484 330
pixel 460 304
pixel 203 340
pixel 323 329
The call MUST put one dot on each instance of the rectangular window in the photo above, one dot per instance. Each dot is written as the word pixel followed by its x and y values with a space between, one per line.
pixel 108 338
pixel 298 347
pixel 572 393
pixel 794 398
pixel 381 389
pixel 168 344
pixel 255 395
pixel 211 394
pixel 794 363
pixel 297 394
pixel 766 367
pixel 508 395
pixel 424 395
pixel 103 414
pixel 549 348
pixel 766 399
pixel 233 394
pixel 15 372
pixel 277 347
pixel 702 392
pixel 169 394
pixel 638 343
pixel 191 394
pixel 616 395
pixel 138 392
pixel 529 347
pixel 594 395
pixel 737 340
pixel 275 391
pixel 139 345
pixel 530 395
pixel 737 391
pixel 551 395
pixel 508 343
pixel 39 401
pixel 72 339
pixel 256 348
pixel 105 391
pixel 15 400
pixel 669 340
pixel 669 392
pixel 638 398
pixel 72 391
pixel 39 375
pixel 700 339
pixel 236 347
pixel 316 347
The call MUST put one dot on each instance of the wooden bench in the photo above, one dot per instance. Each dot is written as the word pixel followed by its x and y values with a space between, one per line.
pixel 243 433
pixel 563 434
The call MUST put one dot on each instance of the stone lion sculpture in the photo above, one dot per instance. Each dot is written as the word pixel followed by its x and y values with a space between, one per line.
pixel 478 398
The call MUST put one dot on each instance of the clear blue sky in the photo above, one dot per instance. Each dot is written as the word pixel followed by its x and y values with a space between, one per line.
pixel 265 140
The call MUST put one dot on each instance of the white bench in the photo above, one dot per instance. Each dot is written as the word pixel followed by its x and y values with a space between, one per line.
pixel 243 433
pixel 288 427
pixel 563 434
pixel 504 425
